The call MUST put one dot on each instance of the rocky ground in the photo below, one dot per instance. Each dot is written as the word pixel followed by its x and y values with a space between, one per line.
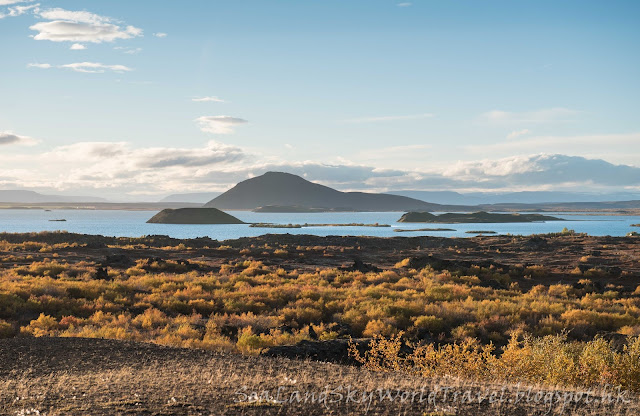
pixel 614 260
pixel 75 376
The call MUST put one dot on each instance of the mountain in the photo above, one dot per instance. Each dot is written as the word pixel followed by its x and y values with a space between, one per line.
pixel 193 216
pixel 524 197
pixel 22 196
pixel 287 190
pixel 198 197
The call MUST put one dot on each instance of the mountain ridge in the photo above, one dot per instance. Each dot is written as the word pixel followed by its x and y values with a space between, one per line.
pixel 26 196
pixel 286 190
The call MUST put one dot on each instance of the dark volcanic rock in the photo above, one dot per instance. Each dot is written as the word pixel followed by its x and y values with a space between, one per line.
pixel 360 266
pixel 101 274
pixel 335 351
pixel 118 260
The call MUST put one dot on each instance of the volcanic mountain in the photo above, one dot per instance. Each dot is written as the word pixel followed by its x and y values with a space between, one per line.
pixel 287 191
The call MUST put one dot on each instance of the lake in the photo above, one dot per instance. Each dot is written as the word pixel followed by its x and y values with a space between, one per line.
pixel 133 224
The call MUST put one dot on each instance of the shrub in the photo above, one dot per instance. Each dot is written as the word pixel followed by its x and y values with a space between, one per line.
pixel 6 329
pixel 550 360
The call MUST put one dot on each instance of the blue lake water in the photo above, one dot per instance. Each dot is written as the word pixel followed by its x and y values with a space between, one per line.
pixel 133 224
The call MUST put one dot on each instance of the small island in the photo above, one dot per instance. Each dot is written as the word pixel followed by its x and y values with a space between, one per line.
pixel 290 209
pixel 409 230
pixel 480 232
pixel 193 216
pixel 476 217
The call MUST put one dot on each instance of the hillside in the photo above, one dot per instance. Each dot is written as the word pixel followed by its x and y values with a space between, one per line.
pixel 193 216
pixel 287 190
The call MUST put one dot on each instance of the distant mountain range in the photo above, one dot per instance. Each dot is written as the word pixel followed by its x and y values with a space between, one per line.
pixel 526 197
pixel 22 196
pixel 284 190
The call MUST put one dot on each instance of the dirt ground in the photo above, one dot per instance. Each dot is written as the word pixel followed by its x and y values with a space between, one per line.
pixel 76 376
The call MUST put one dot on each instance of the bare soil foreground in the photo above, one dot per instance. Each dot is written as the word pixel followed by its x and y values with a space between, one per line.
pixel 77 376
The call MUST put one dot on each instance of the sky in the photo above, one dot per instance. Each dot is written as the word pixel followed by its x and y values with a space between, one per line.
pixel 140 99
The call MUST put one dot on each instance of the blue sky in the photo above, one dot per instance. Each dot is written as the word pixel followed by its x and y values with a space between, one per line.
pixel 428 94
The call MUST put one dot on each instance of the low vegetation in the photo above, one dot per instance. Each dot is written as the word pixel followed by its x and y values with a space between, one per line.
pixel 461 321
pixel 549 360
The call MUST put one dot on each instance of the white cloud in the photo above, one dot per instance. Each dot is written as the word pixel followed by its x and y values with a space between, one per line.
pixel 128 51
pixel 549 115
pixel 77 47
pixel 389 118
pixel 219 124
pixel 9 2
pixel 19 10
pixel 95 67
pixel 152 157
pixel 160 35
pixel 73 16
pixel 86 67
pixel 487 167
pixel 80 26
pixel 208 99
pixel 61 31
pixel 118 168
pixel 518 133
pixel 41 66
pixel 546 169
pixel 405 4
pixel 8 137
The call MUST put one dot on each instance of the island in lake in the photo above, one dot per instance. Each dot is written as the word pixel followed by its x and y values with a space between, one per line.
pixel 272 225
pixel 409 230
pixel 292 209
pixel 194 216
pixel 476 217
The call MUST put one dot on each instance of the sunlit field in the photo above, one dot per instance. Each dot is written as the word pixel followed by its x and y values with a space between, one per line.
pixel 476 323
